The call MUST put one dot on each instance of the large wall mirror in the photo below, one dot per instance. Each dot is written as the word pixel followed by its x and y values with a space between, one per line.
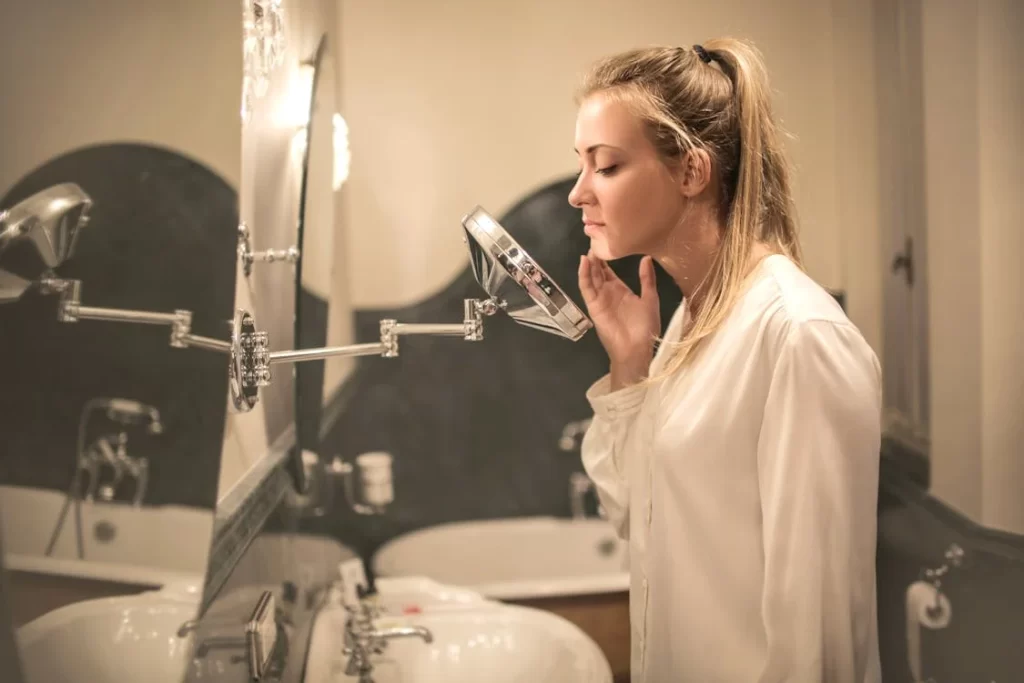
pixel 118 249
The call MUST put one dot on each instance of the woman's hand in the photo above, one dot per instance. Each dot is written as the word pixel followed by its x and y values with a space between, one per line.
pixel 626 324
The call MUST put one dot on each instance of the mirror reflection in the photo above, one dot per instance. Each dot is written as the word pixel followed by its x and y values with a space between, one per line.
pixel 118 244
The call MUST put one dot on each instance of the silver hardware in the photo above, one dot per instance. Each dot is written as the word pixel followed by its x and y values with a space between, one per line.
pixel 507 273
pixel 572 433
pixel 248 256
pixel 50 221
pixel 363 639
pixel 954 557
pixel 579 485
pixel 261 635
pixel 109 451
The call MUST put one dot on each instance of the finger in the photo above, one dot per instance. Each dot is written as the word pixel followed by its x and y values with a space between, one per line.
pixel 648 280
pixel 586 282
pixel 595 268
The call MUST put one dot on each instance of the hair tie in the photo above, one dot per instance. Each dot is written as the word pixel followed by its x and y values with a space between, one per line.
pixel 702 53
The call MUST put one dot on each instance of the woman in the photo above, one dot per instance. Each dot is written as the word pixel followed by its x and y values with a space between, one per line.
pixel 741 459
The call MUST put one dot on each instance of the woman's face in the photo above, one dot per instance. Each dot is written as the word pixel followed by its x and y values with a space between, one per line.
pixel 631 201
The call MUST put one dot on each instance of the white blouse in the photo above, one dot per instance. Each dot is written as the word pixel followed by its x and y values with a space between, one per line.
pixel 747 487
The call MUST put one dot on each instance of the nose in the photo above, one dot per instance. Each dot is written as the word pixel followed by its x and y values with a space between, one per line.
pixel 578 193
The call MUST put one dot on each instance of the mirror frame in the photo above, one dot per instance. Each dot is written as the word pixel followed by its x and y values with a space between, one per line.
pixel 294 464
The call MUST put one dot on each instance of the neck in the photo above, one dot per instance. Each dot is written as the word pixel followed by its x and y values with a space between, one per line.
pixel 688 253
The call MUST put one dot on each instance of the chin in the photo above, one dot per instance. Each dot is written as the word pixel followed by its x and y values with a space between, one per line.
pixel 600 248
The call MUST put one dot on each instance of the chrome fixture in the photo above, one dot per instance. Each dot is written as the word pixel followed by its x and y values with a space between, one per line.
pixel 954 557
pixel 363 639
pixel 572 433
pixel 579 486
pixel 50 222
pixel 258 639
pixel 108 452
pixel 263 47
pixel 514 282
pixel 247 256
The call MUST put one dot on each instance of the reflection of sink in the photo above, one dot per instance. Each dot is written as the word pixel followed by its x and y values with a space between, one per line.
pixel 474 640
pixel 131 638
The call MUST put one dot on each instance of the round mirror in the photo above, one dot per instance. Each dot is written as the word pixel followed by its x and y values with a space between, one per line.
pixel 518 284
pixel 314 269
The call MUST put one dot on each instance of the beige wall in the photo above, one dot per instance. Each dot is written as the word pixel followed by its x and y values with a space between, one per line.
pixel 269 204
pixel 463 103
pixel 99 96
pixel 974 95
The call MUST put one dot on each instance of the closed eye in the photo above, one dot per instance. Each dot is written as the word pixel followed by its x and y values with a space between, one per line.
pixel 608 170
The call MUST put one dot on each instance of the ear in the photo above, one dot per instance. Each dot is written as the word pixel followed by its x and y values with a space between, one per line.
pixel 695 173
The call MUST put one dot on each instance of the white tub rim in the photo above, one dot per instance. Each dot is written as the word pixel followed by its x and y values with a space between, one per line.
pixel 526 589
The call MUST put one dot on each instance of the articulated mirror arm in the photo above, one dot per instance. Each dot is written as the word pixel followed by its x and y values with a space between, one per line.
pixel 470 329
pixel 71 310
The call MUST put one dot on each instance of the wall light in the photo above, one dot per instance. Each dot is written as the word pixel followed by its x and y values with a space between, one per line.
pixel 342 153
pixel 263 48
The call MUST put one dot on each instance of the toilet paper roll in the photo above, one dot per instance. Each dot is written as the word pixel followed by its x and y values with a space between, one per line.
pixel 927 607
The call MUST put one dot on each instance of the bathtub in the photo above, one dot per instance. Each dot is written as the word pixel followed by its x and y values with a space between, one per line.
pixel 149 546
pixel 511 559
pixel 576 568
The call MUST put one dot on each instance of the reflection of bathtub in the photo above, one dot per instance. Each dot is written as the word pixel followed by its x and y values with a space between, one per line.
pixel 510 559
pixel 146 545
pixel 577 569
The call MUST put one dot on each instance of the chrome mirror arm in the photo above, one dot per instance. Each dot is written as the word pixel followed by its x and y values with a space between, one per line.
pixel 251 357
pixel 71 310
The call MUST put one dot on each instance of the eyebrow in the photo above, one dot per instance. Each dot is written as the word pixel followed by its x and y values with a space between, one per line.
pixel 594 147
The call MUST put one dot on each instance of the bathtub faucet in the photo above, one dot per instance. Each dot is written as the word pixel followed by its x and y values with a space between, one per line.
pixel 579 485
pixel 363 639
pixel 110 452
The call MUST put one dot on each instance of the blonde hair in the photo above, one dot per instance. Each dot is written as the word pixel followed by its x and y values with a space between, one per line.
pixel 715 98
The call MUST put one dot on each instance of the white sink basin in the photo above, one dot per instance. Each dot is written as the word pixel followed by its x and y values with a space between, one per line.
pixel 131 638
pixel 475 640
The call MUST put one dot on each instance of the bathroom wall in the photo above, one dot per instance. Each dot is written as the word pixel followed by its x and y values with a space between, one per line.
pixel 435 133
pixel 973 95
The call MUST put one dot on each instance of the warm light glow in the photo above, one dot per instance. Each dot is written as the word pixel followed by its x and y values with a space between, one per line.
pixel 294 109
pixel 342 153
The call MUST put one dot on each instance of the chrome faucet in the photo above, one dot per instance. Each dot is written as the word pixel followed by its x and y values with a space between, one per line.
pixel 579 485
pixel 572 433
pixel 111 452
pixel 363 639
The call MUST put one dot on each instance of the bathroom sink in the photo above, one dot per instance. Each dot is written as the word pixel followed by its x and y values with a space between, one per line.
pixel 130 638
pixel 473 640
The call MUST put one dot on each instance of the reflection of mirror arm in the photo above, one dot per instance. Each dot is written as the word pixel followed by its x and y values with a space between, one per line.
pixel 71 310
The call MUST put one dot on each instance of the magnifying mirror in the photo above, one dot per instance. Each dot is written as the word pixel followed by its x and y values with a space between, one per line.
pixel 508 274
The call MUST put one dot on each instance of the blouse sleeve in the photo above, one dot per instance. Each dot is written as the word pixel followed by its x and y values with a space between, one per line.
pixel 603 449
pixel 818 462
